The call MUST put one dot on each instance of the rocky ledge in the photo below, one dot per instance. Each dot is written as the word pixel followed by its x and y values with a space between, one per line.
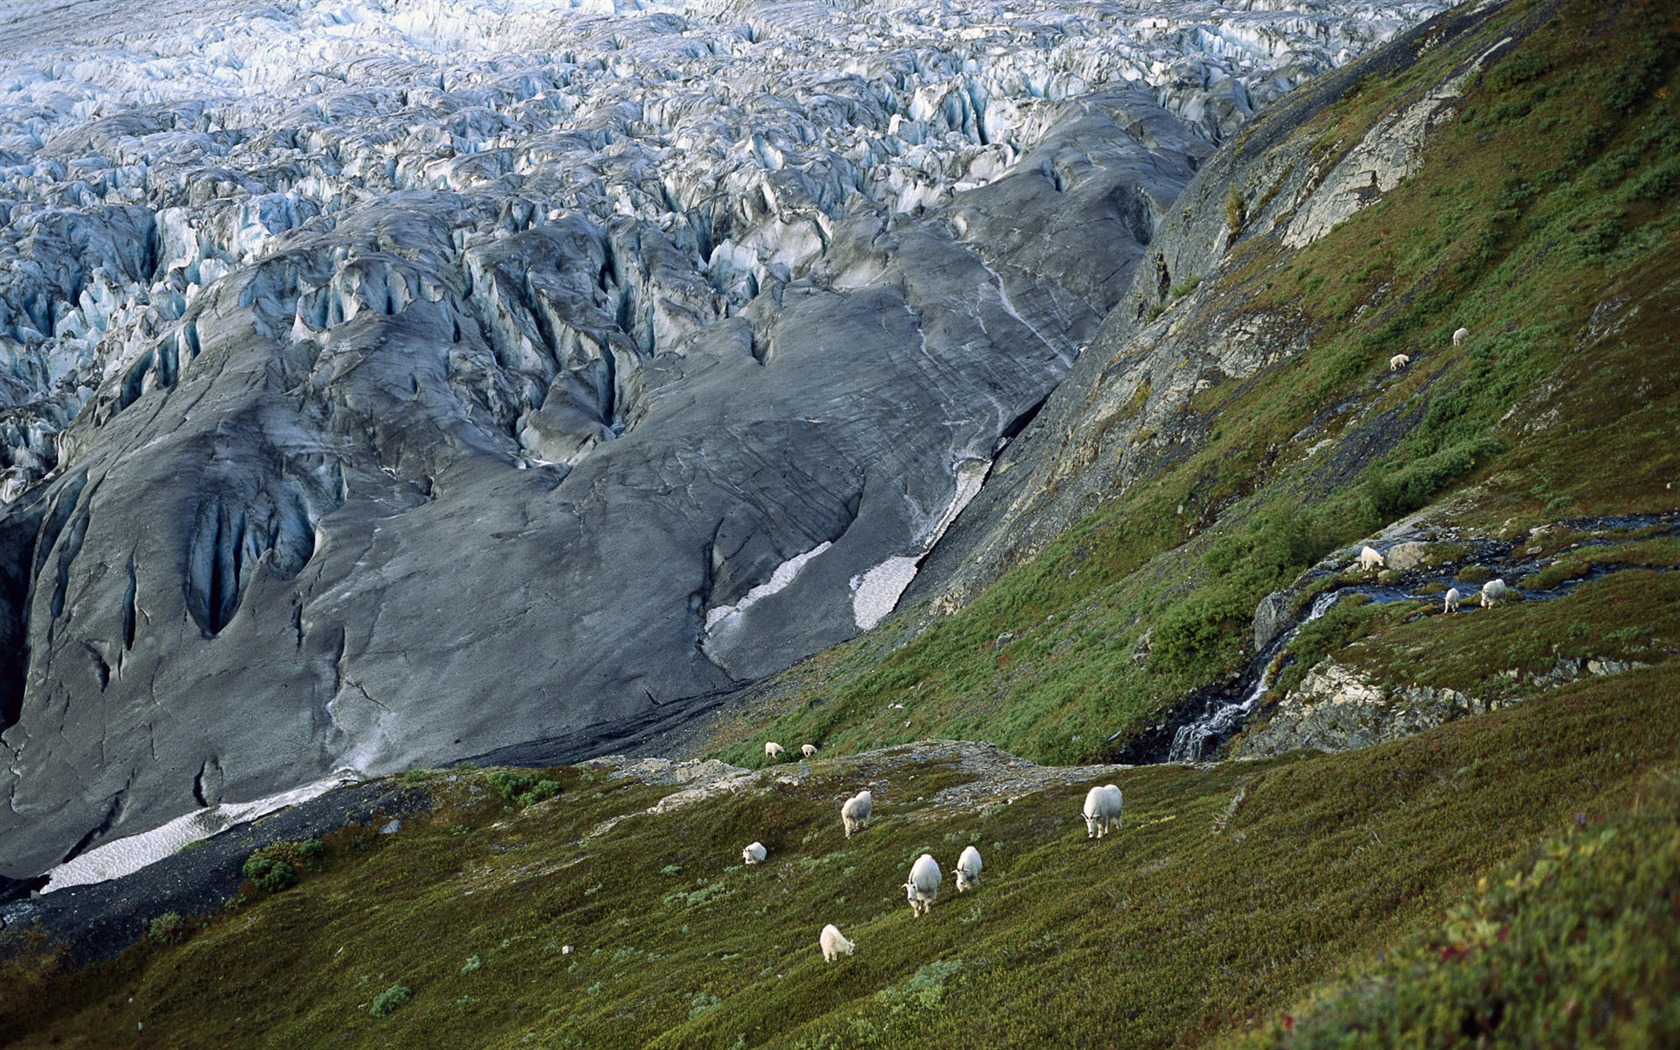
pixel 1339 709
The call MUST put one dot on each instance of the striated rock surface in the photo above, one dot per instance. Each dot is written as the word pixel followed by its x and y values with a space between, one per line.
pixel 391 383
pixel 1337 709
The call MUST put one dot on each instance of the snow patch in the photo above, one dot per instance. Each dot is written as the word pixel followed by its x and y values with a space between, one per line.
pixel 779 580
pixel 125 856
pixel 875 593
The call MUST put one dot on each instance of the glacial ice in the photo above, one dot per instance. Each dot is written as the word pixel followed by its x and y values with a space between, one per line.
pixel 291 293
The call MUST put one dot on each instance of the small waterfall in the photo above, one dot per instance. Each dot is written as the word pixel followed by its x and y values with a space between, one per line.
pixel 1193 738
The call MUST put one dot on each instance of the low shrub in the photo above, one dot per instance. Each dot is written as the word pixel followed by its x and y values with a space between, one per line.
pixel 1194 632
pixel 521 787
pixel 269 873
pixel 1572 947
pixel 390 999
pixel 168 928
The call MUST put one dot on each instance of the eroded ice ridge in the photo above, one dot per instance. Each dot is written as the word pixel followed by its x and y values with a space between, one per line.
pixel 137 166
pixel 387 383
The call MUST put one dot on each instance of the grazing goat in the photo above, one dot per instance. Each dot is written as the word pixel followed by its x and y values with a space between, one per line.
pixel 773 751
pixel 923 885
pixel 1398 361
pixel 855 812
pixel 808 750
pixel 834 943
pixel 1494 592
pixel 1102 810
pixel 1460 336
pixel 968 869
pixel 1370 560
pixel 753 853
pixel 1453 598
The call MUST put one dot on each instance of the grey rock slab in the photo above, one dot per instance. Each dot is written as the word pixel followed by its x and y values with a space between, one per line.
pixel 1271 617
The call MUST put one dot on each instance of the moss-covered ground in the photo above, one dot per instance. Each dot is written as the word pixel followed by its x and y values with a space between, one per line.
pixel 1574 945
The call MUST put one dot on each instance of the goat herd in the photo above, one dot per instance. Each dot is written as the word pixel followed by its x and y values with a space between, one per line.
pixel 1102 813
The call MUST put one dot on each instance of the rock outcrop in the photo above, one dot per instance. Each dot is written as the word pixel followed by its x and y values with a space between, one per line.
pixel 1336 708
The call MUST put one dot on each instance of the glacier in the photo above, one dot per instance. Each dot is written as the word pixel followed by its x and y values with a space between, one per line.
pixel 386 382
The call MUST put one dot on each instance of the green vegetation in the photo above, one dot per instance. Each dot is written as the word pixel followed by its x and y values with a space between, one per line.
pixel 391 998
pixel 1633 615
pixel 1229 897
pixel 1573 946
pixel 276 867
pixel 522 787
pixel 167 928
pixel 1236 211
pixel 269 873
pixel 1659 553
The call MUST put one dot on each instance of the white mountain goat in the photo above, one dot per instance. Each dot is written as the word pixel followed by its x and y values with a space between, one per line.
pixel 808 750
pixel 968 869
pixel 1103 805
pixel 1398 361
pixel 753 853
pixel 773 751
pixel 922 887
pixel 1370 560
pixel 1494 592
pixel 855 812
pixel 834 943
pixel 1452 601
pixel 1460 336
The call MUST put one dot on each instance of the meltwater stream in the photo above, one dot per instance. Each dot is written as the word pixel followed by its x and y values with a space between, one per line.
pixel 1192 739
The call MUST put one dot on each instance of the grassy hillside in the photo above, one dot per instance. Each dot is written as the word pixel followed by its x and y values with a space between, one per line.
pixel 1572 946
pixel 1543 218
pixel 1231 893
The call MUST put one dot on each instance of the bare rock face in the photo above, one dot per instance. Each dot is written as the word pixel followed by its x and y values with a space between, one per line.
pixel 1336 709
pixel 1339 709
pixel 1272 617
pixel 492 375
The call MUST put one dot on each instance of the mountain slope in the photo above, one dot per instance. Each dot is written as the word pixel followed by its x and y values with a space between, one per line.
pixel 1209 455
pixel 1230 892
